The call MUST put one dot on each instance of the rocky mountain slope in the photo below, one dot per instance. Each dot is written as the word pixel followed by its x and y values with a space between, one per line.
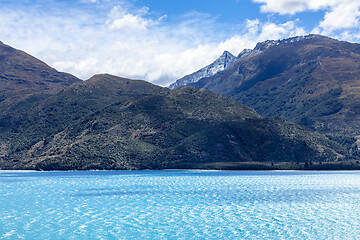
pixel 22 74
pixel 311 80
pixel 223 62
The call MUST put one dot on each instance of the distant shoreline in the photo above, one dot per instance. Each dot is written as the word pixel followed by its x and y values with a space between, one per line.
pixel 233 166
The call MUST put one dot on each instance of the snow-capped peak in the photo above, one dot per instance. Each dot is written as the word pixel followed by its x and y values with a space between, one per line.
pixel 262 46
pixel 223 62
pixel 226 59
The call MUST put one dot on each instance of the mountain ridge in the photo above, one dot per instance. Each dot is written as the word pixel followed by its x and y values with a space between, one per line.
pixel 22 74
pixel 311 80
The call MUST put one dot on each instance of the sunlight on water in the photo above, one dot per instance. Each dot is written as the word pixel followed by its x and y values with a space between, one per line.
pixel 179 205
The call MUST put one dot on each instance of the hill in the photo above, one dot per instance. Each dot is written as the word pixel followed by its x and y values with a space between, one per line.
pixel 22 74
pixel 109 122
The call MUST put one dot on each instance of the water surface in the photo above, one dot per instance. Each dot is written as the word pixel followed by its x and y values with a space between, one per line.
pixel 179 205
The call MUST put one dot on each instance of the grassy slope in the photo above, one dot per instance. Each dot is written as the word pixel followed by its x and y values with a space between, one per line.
pixel 113 123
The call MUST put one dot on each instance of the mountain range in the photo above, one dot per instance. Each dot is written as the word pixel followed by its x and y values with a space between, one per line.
pixel 54 121
pixel 310 80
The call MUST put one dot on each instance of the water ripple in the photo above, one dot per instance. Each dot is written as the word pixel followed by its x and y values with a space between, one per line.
pixel 179 205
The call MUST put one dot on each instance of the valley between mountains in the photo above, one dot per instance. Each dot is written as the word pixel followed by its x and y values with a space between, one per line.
pixel 305 92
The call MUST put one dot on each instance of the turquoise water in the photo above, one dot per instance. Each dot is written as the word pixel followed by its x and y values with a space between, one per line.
pixel 179 205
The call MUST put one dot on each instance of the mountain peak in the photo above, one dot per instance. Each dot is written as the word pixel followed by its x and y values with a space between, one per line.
pixel 223 62
pixel 261 46
pixel 226 59
pixel 22 74
pixel 227 53
pixel 244 52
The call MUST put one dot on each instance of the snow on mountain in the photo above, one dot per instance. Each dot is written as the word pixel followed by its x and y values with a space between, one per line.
pixel 226 59
pixel 261 46
pixel 223 62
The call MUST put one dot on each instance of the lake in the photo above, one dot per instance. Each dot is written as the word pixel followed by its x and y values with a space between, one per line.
pixel 179 205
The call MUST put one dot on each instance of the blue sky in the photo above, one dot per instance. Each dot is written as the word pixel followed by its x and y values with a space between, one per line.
pixel 162 40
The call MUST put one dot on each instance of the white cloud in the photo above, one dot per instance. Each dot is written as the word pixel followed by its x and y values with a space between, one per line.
pixel 90 1
pixel 130 43
pixel 294 6
pixel 277 31
pixel 340 14
pixel 129 21
pixel 344 15
pixel 121 19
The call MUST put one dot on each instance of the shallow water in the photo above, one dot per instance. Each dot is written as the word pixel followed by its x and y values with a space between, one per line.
pixel 179 205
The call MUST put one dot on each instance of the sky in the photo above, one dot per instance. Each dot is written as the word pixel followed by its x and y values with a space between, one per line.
pixel 162 40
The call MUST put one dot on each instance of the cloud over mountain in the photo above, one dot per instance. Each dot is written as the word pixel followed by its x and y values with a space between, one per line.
pixel 86 37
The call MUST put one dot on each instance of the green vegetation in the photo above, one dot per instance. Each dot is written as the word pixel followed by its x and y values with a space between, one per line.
pixel 113 123
pixel 53 121
pixel 316 166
